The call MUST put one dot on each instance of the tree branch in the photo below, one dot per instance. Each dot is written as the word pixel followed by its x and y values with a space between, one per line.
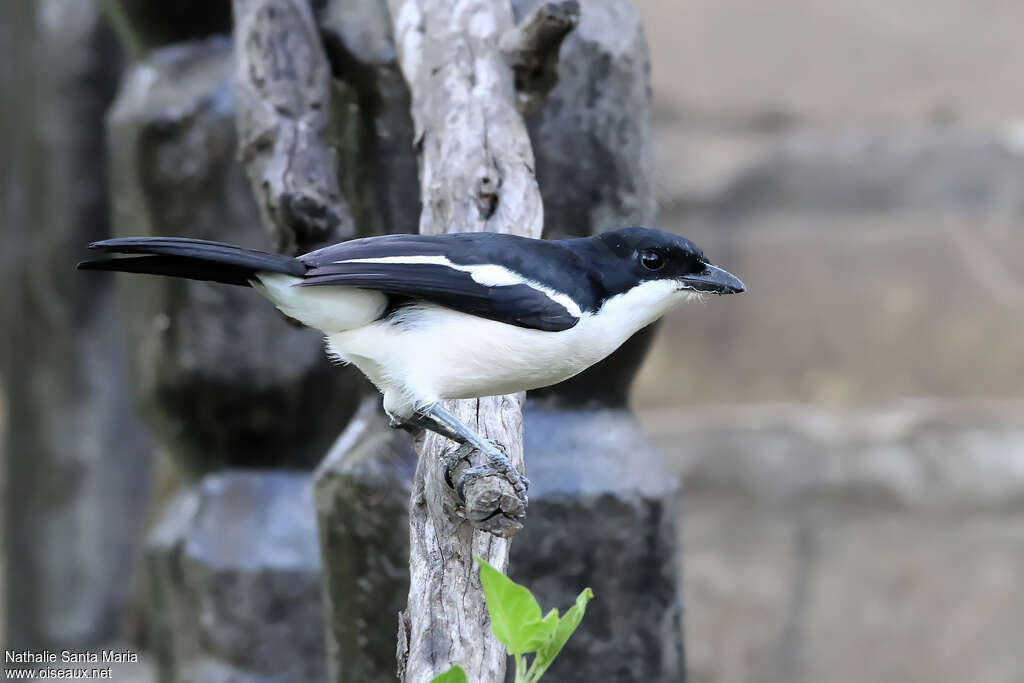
pixel 532 50
pixel 446 621
pixel 489 503
pixel 283 115
pixel 476 174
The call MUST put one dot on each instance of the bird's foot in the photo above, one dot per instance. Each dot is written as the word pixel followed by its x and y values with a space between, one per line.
pixel 497 463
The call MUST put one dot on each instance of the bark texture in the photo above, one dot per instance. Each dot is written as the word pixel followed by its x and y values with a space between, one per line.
pixel 446 621
pixel 532 50
pixel 283 81
pixel 476 174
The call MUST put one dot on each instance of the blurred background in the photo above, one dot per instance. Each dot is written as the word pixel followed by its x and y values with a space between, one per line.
pixel 850 432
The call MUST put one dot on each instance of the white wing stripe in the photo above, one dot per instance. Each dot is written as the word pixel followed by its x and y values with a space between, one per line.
pixel 488 275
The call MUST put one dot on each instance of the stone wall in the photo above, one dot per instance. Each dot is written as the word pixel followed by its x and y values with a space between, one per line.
pixel 840 545
pixel 850 431
pixel 861 166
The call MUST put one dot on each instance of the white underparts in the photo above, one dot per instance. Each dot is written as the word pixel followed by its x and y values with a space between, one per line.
pixel 427 353
pixel 430 353
pixel 328 309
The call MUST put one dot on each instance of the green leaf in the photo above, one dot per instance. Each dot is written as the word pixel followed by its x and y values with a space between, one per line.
pixel 515 614
pixel 566 627
pixel 452 675
pixel 536 635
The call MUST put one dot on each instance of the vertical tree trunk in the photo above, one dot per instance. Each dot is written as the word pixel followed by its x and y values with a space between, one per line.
pixel 592 144
pixel 476 173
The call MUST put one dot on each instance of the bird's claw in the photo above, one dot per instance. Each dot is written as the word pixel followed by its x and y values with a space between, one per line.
pixel 451 458
pixel 497 463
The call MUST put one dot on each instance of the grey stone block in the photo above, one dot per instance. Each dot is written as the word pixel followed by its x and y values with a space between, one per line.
pixel 909 454
pixel 880 264
pixel 593 138
pixel 604 512
pixel 363 490
pixel 942 170
pixel 902 61
pixel 234 578
pixel 847 589
pixel 815 536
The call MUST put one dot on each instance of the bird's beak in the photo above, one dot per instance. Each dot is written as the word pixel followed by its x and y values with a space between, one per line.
pixel 714 280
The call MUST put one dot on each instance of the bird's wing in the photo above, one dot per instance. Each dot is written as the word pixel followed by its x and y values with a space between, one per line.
pixel 476 273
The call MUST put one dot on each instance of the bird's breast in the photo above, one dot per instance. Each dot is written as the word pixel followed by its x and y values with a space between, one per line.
pixel 435 353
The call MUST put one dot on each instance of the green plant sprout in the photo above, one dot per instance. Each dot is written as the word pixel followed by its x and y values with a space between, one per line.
pixel 452 675
pixel 516 621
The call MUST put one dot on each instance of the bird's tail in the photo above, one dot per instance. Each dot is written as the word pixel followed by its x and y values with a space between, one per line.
pixel 190 258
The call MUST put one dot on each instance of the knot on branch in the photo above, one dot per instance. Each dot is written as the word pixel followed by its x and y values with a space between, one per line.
pixel 488 188
pixel 532 47
pixel 300 197
pixel 490 500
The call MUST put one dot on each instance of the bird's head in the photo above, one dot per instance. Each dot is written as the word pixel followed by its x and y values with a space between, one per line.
pixel 645 255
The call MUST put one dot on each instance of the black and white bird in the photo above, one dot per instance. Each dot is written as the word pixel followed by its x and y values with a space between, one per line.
pixel 461 315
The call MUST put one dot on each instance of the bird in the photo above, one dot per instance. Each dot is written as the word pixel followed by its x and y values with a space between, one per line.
pixel 457 315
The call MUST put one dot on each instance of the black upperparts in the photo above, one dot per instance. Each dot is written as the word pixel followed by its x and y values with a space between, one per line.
pixel 549 263
pixel 190 258
pixel 539 284
pixel 622 259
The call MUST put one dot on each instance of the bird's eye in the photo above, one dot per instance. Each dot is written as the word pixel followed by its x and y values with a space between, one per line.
pixel 652 260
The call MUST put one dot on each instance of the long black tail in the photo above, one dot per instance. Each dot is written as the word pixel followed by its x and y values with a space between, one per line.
pixel 190 258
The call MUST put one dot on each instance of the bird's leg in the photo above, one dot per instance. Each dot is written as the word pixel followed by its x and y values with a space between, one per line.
pixel 425 420
pixel 408 425
pixel 440 421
